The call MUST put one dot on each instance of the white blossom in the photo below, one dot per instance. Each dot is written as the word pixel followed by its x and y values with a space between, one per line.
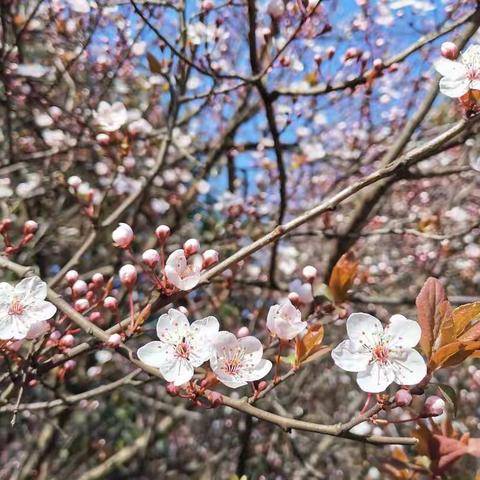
pixel 111 117
pixel 381 356
pixel 23 307
pixel 183 273
pixel 460 76
pixel 236 361
pixel 285 321
pixel 181 346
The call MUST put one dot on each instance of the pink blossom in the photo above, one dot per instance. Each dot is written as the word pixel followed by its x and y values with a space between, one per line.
pixel 110 117
pixel 285 321
pixel 128 275
pixel 123 235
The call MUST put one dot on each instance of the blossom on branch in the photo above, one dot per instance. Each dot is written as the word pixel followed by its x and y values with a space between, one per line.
pixel 285 321
pixel 236 361
pixel 381 355
pixel 183 273
pixel 23 308
pixel 110 117
pixel 181 346
pixel 460 76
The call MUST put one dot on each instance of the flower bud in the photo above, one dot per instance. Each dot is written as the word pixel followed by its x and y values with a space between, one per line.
pixel 243 332
pixel 122 236
pixel 5 225
pixel 98 279
pixel 128 275
pixel 162 232
pixel 309 273
pixel 79 288
pixel 215 399
pixel 330 52
pixel 276 8
pixel 207 5
pixel 67 341
pixel 71 276
pixel 70 364
pixel 449 50
pixel 262 385
pixel 55 336
pixel 114 340
pixel 294 297
pixel 210 257
pixel 30 227
pixel 95 317
pixel 103 138
pixel 403 398
pixel 378 64
pixel 172 389
pixel 433 406
pixel 74 181
pixel 151 257
pixel 191 246
pixel 110 303
pixel 81 305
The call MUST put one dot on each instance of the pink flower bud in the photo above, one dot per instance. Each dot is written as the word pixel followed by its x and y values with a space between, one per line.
pixel 128 275
pixel 98 279
pixel 183 310
pixel 103 138
pixel 207 5
pixel 151 257
pixel 110 303
pixel 191 246
pixel 114 340
pixel 449 50
pixel 71 276
pixel 95 317
pixel 67 341
pixel 70 364
pixel 433 406
pixel 403 398
pixel 30 227
pixel 243 332
pixel 55 336
pixel 276 8
pixel 309 273
pixel 74 181
pixel 172 389
pixel 81 305
pixel 122 236
pixel 330 52
pixel 210 257
pixel 378 64
pixel 262 385
pixel 79 288
pixel 215 399
pixel 5 225
pixel 162 232
pixel 294 297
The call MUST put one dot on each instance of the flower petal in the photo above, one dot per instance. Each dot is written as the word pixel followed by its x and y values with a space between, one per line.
pixel 11 327
pixel 156 354
pixel 376 378
pixel 454 88
pixel 351 356
pixel 39 310
pixel 262 369
pixel 450 68
pixel 31 287
pixel 202 333
pixel 172 326
pixel 253 348
pixel 179 371
pixel 403 332
pixel 364 328
pixel 410 367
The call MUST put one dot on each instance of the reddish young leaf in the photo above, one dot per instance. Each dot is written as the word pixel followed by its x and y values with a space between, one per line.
pixel 342 276
pixel 464 315
pixel 428 301
pixel 310 343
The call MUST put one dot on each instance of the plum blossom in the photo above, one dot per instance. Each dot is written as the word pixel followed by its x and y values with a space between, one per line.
pixel 182 273
pixel 79 6
pixel 23 308
pixel 460 76
pixel 236 361
pixel 181 346
pixel 381 355
pixel 111 117
pixel 285 321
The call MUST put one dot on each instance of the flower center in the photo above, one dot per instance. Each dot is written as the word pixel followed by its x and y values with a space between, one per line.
pixel 16 308
pixel 232 366
pixel 380 353
pixel 233 361
pixel 183 350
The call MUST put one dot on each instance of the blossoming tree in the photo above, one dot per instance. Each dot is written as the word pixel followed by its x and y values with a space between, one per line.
pixel 239 239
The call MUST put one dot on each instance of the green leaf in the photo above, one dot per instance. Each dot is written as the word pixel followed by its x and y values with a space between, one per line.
pixel 450 396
